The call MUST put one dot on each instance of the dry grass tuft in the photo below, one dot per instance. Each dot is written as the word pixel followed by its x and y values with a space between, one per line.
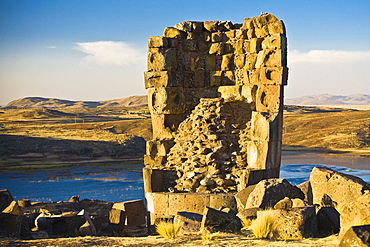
pixel 264 226
pixel 168 229
pixel 207 236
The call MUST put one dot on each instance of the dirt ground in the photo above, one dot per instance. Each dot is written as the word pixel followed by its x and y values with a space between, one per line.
pixel 223 239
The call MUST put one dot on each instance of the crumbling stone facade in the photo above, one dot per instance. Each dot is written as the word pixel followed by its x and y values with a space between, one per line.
pixel 215 93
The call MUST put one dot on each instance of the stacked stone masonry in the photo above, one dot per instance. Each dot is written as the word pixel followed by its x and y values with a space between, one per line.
pixel 215 93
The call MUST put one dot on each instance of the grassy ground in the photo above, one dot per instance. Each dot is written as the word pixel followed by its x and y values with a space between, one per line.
pixel 97 133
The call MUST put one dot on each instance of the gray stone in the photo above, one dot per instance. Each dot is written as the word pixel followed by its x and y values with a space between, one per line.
pixel 328 221
pixel 305 187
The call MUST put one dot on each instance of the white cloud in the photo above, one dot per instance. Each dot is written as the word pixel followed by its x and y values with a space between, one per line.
pixel 328 71
pixel 51 47
pixel 110 53
pixel 328 56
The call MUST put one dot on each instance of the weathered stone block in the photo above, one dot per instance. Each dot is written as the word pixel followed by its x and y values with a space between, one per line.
pixel 255 45
pixel 217 48
pixel 211 26
pixel 157 204
pixel 219 201
pixel 272 75
pixel 5 199
pixel 217 221
pixel 13 208
pixel 227 62
pixel 194 203
pixel 273 42
pixel 215 78
pixel 341 188
pixel 269 98
pixel 242 197
pixel 157 42
pixel 263 154
pixel 356 236
pixel 161 79
pixel 135 212
pixel 269 191
pixel 306 188
pixel 191 222
pixel 162 59
pixel 166 100
pixel 294 223
pixel 355 212
pixel 229 91
pixel 266 126
pixel 14 226
pixel 328 222
pixel 172 32
pixel 227 78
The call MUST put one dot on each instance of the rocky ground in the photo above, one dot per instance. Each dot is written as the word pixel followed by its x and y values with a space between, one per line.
pixel 224 239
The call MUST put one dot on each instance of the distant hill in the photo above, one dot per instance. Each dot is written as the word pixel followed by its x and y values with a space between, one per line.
pixel 330 100
pixel 51 103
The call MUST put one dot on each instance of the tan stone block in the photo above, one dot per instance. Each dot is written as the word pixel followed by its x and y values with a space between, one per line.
pixel 176 203
pixel 230 34
pixel 275 41
pixel 239 60
pixel 157 42
pixel 215 78
pixel 228 47
pixel 220 201
pixel 246 46
pixel 276 27
pixel 169 100
pixel 269 98
pixel 240 34
pixel 255 45
pixel 162 59
pixel 227 78
pixel 211 26
pixel 186 26
pixel 164 124
pixel 154 162
pixel 250 61
pixel 216 48
pixel 262 32
pixel 257 154
pixel 239 47
pixel 254 76
pixel 210 62
pixel 249 92
pixel 229 91
pixel 161 79
pixel 158 202
pixel 270 58
pixel 227 62
pixel 172 32
pixel 247 24
pixel 271 75
pixel 195 202
pixel 266 126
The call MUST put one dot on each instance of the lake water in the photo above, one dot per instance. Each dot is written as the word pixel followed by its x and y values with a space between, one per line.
pixel 117 183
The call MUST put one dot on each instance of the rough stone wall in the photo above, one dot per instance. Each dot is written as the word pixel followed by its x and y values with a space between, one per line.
pixel 215 93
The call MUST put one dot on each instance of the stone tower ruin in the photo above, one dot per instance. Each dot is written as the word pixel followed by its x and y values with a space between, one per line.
pixel 215 93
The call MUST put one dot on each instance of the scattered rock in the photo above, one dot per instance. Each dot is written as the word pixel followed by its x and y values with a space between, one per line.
pixel 13 208
pixel 284 203
pixel 328 221
pixel 306 188
pixel 269 191
pixel 294 223
pixel 331 188
pixel 217 221
pixel 5 199
pixel 191 222
pixel 356 236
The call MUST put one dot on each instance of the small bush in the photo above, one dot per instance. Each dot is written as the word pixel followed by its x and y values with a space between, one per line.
pixel 168 229
pixel 264 226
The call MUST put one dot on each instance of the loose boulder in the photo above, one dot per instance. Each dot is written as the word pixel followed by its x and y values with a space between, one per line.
pixel 328 221
pixel 218 221
pixel 331 188
pixel 5 199
pixel 356 236
pixel 269 191
pixel 293 223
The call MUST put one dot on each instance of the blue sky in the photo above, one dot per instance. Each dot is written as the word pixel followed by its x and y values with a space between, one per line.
pixel 96 49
